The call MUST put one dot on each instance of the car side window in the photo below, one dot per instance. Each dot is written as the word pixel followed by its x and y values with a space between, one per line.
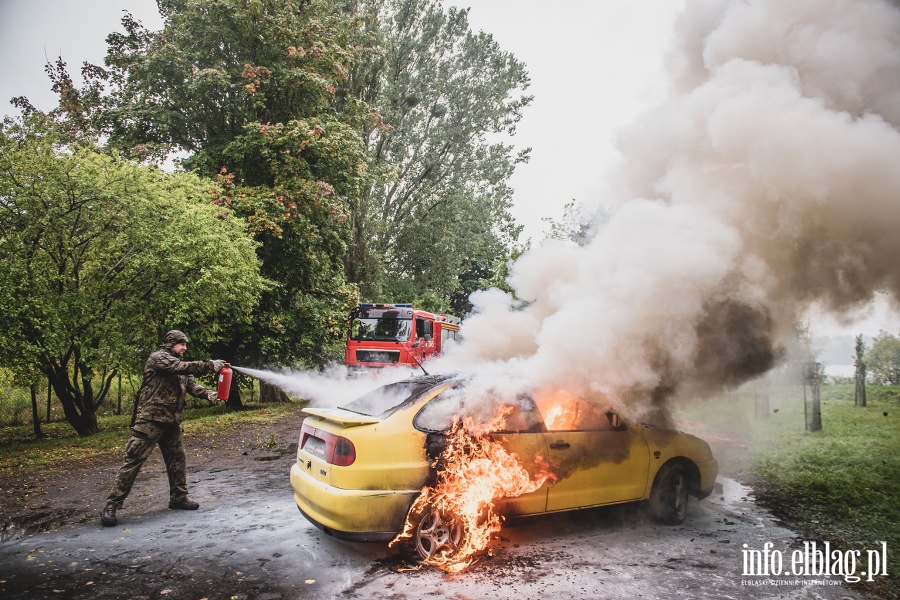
pixel 522 417
pixel 575 414
pixel 439 414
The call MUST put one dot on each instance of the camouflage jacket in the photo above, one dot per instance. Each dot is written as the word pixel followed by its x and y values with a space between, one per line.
pixel 166 378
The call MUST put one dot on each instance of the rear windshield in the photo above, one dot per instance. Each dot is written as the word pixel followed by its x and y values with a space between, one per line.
pixel 382 401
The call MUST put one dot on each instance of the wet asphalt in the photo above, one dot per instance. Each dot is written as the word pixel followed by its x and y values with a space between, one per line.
pixel 249 541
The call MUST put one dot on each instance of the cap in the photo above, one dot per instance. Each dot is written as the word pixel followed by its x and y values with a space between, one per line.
pixel 174 337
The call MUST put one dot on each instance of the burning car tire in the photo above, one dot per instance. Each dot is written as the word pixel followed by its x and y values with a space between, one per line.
pixel 669 495
pixel 438 533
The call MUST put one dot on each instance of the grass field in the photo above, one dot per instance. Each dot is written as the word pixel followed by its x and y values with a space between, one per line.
pixel 840 484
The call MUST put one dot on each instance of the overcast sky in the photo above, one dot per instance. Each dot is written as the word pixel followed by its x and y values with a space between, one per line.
pixel 594 66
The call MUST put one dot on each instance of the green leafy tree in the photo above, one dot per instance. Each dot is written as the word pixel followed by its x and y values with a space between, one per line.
pixel 883 359
pixel 248 93
pixel 101 256
pixel 437 212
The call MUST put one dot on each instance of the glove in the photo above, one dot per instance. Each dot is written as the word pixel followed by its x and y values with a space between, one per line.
pixel 217 365
pixel 212 396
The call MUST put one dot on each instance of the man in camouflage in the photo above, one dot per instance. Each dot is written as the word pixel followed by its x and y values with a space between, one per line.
pixel 157 420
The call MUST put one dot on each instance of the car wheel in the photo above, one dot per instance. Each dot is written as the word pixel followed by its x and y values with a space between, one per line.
pixel 669 496
pixel 438 533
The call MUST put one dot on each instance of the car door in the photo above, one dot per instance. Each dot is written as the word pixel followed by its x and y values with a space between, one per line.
pixel 521 434
pixel 599 458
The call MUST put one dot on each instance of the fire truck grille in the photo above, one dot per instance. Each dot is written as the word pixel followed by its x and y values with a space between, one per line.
pixel 378 356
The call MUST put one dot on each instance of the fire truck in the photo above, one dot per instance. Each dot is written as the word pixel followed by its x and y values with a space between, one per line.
pixel 384 335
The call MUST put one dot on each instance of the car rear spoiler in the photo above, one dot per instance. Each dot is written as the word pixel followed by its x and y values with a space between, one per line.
pixel 341 416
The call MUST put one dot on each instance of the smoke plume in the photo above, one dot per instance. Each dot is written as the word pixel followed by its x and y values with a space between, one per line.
pixel 766 182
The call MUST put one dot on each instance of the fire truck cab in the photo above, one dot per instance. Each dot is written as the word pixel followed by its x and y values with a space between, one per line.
pixel 384 335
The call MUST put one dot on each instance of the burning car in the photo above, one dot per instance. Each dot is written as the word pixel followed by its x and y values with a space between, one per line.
pixel 426 459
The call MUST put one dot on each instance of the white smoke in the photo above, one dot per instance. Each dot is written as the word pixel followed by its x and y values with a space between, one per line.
pixel 333 387
pixel 768 181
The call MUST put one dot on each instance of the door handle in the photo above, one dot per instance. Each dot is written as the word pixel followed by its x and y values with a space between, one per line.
pixel 559 445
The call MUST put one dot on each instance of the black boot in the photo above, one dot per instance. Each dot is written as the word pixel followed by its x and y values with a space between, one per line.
pixel 183 504
pixel 108 516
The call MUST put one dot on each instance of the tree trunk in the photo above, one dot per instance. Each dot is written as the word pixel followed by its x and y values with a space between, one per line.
pixel 38 434
pixel 860 385
pixel 270 393
pixel 84 422
pixel 816 424
pixel 234 394
pixel 860 371
pixel 79 408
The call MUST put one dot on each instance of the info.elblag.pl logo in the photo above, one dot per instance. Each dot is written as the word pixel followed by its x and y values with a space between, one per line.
pixel 815 560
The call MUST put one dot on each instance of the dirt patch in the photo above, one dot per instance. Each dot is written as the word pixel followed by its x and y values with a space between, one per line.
pixel 40 500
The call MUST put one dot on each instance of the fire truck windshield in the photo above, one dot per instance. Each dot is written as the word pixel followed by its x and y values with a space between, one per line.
pixel 382 329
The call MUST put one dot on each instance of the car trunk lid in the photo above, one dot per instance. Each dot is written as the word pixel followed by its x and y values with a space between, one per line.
pixel 341 416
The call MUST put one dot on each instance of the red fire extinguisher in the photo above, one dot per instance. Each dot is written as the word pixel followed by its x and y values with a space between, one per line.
pixel 224 382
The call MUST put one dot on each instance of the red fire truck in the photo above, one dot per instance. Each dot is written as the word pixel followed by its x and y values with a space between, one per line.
pixel 384 335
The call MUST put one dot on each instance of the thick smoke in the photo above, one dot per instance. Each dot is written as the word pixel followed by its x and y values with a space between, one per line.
pixel 766 182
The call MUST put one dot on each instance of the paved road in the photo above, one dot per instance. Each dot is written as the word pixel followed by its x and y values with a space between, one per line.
pixel 249 541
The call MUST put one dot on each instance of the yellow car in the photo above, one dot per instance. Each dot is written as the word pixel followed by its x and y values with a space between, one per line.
pixel 360 467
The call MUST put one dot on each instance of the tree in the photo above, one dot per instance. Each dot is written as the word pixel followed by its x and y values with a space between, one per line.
pixel 575 225
pixel 437 211
pixel 860 373
pixel 101 256
pixel 883 359
pixel 248 92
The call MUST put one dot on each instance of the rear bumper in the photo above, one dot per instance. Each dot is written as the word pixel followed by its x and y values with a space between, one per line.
pixel 359 515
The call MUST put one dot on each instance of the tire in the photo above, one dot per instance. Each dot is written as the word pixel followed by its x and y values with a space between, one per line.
pixel 437 533
pixel 669 495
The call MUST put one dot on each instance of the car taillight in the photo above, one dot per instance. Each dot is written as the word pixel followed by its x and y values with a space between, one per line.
pixel 344 452
pixel 335 449
pixel 305 432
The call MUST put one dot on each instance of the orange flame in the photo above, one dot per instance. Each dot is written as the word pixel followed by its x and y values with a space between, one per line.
pixel 457 514
pixel 560 409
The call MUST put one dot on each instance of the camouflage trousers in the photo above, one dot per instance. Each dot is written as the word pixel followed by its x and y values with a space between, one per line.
pixel 144 437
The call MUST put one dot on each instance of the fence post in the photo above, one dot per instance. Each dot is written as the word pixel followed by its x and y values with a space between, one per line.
pixel 49 390
pixel 119 407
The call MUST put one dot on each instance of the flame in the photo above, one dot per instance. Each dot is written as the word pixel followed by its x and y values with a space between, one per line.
pixel 457 514
pixel 561 409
